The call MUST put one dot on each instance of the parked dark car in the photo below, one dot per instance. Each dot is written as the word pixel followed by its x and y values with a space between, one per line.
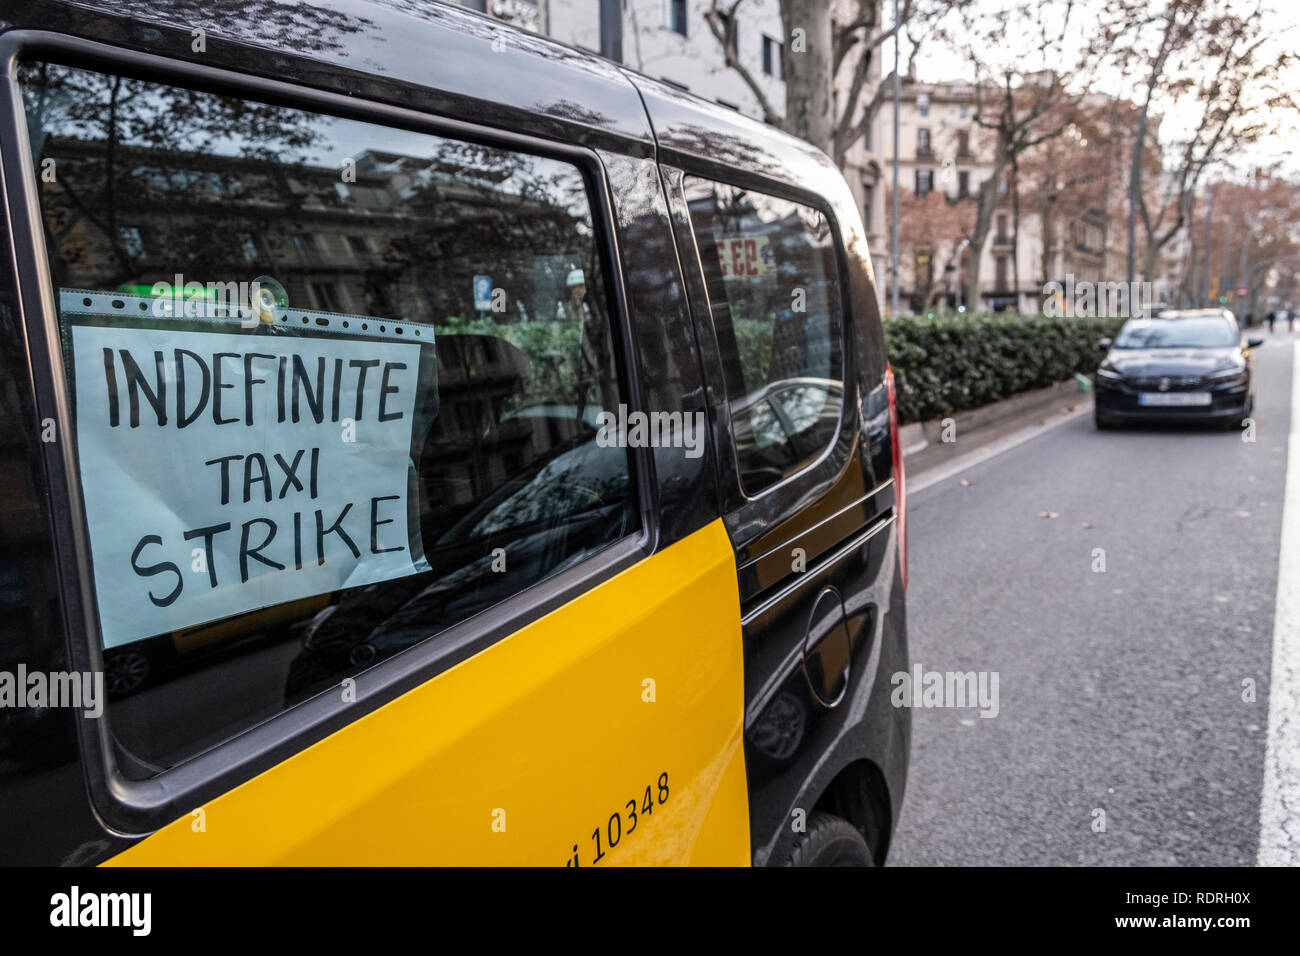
pixel 1177 367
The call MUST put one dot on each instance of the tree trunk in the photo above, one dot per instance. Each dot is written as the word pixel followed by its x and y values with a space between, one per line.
pixel 988 203
pixel 1135 183
pixel 809 112
pixel 1047 215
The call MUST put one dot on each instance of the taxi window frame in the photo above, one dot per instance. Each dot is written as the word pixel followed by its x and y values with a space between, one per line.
pixel 136 807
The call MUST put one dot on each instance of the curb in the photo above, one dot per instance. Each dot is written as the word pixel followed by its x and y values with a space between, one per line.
pixel 918 436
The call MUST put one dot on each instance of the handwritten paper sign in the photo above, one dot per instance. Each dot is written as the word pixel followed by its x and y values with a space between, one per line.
pixel 228 472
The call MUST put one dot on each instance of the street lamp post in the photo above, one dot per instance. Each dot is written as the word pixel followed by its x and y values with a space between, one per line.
pixel 960 249
pixel 893 225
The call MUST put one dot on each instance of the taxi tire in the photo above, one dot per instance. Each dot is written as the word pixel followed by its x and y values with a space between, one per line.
pixel 830 841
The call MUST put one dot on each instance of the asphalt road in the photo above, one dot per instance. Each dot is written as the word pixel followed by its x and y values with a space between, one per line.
pixel 1119 690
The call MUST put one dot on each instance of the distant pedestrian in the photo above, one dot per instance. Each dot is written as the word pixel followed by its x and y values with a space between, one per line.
pixel 1290 320
pixel 1270 318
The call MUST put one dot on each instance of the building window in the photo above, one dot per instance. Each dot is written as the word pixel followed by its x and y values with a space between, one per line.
pixel 358 245
pixel 963 111
pixel 248 246
pixel 1003 272
pixel 923 104
pixel 1002 227
pixel 677 16
pixel 963 182
pixel 923 142
pixel 773 57
pixel 611 30
pixel 304 242
pixel 867 191
pixel 924 182
pixel 924 265
pixel 963 142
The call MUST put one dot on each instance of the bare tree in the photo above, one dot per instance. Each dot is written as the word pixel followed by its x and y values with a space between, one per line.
pixel 1019 106
pixel 1228 97
pixel 817 53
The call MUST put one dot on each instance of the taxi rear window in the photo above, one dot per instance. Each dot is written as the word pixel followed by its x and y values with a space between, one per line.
pixel 775 295
pixel 335 388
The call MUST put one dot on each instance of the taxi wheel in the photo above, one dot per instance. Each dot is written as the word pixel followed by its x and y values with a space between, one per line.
pixel 831 841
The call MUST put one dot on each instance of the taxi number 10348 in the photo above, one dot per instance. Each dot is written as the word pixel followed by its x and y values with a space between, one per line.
pixel 607 837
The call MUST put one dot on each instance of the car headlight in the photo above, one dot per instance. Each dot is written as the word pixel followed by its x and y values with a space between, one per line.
pixel 1108 372
pixel 1227 374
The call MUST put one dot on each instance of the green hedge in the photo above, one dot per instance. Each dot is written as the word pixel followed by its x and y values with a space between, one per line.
pixel 953 363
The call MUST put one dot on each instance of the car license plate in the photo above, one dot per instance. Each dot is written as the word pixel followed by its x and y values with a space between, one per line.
pixel 1174 398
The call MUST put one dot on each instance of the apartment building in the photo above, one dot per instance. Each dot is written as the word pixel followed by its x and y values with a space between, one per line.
pixel 671 41
pixel 941 148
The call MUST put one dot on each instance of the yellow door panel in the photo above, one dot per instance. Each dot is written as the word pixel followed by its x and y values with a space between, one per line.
pixel 518 754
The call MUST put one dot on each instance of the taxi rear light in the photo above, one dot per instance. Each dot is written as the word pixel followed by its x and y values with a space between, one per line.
pixel 900 484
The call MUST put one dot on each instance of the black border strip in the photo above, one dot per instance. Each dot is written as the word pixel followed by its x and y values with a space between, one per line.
pixel 136 808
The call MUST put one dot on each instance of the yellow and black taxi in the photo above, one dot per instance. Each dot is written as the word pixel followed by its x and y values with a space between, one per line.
pixel 425 443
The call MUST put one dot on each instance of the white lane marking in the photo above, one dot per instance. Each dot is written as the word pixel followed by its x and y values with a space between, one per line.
pixel 1279 806
pixel 935 475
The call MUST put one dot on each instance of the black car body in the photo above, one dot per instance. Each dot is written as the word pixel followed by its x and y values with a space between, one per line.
pixel 1180 366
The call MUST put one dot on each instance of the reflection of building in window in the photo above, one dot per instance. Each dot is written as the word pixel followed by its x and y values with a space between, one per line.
pixel 326 296
pixel 404 241
pixel 132 241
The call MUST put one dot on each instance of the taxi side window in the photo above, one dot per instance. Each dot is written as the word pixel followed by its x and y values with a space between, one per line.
pixel 769 267
pixel 335 388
